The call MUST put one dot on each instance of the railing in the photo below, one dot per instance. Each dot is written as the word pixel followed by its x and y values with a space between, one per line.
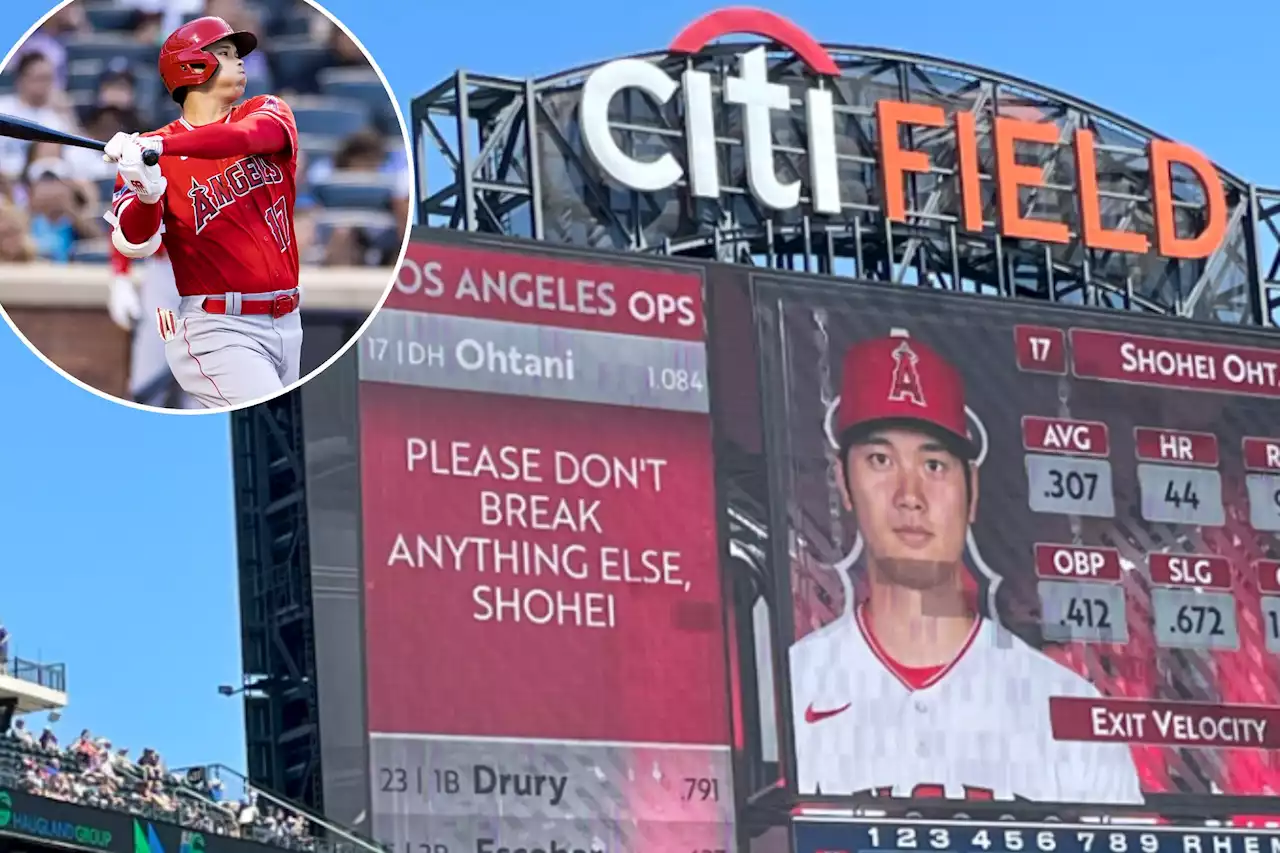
pixel 195 806
pixel 50 675
pixel 329 837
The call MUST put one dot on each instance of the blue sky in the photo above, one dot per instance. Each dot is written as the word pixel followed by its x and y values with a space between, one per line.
pixel 117 554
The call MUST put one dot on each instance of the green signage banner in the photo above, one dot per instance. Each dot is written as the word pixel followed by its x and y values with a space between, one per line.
pixel 24 815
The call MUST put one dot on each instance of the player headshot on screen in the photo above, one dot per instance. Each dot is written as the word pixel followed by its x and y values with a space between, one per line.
pixel 918 695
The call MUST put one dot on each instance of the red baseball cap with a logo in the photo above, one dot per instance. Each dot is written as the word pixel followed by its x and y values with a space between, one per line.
pixel 896 379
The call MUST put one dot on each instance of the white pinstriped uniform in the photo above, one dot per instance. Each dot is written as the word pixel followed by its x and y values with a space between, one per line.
pixel 981 724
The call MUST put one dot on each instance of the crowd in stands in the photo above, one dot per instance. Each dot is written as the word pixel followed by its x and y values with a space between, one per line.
pixel 91 771
pixel 91 69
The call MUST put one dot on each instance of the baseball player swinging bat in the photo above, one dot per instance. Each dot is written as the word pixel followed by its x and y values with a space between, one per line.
pixel 914 693
pixel 19 128
pixel 219 199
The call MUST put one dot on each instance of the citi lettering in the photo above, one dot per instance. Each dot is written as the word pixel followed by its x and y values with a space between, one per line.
pixel 211 197
pixel 758 98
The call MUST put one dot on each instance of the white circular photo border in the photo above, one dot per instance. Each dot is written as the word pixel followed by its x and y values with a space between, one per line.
pixel 386 291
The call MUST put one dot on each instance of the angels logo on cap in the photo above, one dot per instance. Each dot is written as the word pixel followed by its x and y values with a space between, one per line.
pixel 905 385
pixel 910 367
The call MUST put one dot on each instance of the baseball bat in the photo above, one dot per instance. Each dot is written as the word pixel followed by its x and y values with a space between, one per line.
pixel 18 128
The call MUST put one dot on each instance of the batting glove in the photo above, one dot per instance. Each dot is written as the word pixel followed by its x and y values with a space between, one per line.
pixel 146 181
pixel 123 303
pixel 121 142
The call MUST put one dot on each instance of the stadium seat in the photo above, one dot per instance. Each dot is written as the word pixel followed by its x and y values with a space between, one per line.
pixel 361 84
pixel 90 252
pixel 296 22
pixel 165 111
pixel 106 46
pixel 83 102
pixel 109 17
pixel 317 145
pixel 83 74
pixel 329 116
pixel 259 84
pixel 376 224
pixel 106 188
pixel 369 190
pixel 277 8
pixel 294 63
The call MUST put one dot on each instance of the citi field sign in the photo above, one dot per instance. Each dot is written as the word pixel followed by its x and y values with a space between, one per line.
pixel 751 91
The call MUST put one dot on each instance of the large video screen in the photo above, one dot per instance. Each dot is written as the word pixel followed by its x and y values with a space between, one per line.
pixel 1031 553
pixel 543 614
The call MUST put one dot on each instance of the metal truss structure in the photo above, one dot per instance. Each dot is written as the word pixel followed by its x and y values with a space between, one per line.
pixel 514 163
pixel 281 711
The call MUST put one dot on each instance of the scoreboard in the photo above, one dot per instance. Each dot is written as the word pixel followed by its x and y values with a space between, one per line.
pixel 817 835
pixel 1074 517
pixel 537 616
pixel 1119 554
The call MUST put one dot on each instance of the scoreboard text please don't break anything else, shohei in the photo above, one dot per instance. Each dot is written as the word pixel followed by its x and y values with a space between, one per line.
pixel 531 418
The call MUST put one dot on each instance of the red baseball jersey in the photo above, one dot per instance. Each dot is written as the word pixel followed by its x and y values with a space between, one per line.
pixel 228 224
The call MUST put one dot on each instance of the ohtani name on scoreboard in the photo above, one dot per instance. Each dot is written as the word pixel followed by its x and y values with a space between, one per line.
pixel 832 835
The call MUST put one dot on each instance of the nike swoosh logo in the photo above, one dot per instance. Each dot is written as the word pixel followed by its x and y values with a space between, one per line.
pixel 812 715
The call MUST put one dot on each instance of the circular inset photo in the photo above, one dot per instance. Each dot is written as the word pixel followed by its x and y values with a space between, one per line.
pixel 202 202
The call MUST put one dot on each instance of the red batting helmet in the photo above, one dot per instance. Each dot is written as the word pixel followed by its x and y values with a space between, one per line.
pixel 897 379
pixel 185 59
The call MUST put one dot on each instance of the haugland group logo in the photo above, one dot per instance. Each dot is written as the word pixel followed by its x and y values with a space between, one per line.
pixel 758 97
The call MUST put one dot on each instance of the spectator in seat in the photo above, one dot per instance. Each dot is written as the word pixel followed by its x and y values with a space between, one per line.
pixel 116 108
pixel 346 53
pixel 241 16
pixel 160 16
pixel 101 761
pixel 106 122
pixel 83 746
pixel 348 246
pixel 21 733
pixel 304 197
pixel 48 740
pixel 62 210
pixel 362 151
pixel 117 86
pixel 30 781
pixel 149 761
pixel 16 245
pixel 4 651
pixel 36 97
pixel 50 39
pixel 304 231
